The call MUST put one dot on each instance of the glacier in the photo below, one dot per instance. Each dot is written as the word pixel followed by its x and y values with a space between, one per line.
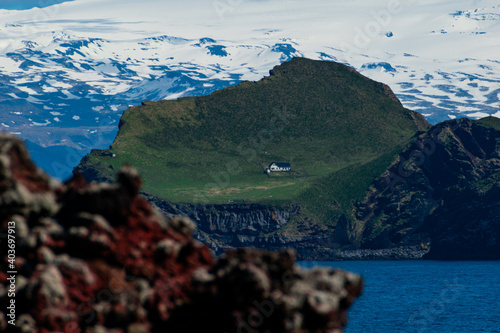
pixel 69 69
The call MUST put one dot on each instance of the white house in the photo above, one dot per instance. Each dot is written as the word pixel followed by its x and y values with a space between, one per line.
pixel 278 167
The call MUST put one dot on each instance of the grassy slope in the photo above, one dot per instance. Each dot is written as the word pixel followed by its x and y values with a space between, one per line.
pixel 491 122
pixel 338 129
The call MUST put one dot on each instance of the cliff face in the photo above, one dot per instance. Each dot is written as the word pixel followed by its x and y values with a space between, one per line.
pixel 467 224
pixel 466 229
pixel 261 226
pixel 234 224
pixel 444 186
pixel 227 219
pixel 97 258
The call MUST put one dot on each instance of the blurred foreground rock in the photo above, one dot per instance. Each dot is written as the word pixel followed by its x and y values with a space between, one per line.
pixel 97 258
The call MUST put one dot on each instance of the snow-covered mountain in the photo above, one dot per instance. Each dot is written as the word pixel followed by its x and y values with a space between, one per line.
pixel 67 71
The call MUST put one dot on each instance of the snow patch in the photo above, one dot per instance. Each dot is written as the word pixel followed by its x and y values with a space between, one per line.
pixel 41 124
pixel 477 115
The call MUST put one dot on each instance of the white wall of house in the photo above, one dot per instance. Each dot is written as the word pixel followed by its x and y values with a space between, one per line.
pixel 274 167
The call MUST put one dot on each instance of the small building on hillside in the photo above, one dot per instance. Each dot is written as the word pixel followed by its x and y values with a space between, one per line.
pixel 278 167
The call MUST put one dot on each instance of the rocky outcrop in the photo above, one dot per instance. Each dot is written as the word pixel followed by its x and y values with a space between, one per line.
pixel 444 188
pixel 98 258
pixel 255 291
pixel 468 230
pixel 234 225
pixel 101 174
pixel 248 219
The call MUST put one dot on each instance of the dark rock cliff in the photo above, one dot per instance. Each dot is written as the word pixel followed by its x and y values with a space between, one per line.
pixel 230 218
pixel 234 225
pixel 445 186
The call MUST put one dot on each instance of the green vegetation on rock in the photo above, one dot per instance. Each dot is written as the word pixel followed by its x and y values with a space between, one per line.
pixel 366 172
pixel 324 118
pixel 490 122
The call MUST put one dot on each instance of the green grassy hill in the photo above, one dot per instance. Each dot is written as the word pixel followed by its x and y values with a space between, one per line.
pixel 491 122
pixel 366 172
pixel 337 128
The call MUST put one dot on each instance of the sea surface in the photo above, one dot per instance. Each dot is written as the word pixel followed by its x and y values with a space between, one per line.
pixel 424 296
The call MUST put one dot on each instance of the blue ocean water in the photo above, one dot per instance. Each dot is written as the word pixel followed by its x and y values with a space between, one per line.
pixel 424 296
pixel 28 4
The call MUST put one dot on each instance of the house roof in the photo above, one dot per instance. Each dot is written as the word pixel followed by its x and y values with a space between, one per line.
pixel 280 165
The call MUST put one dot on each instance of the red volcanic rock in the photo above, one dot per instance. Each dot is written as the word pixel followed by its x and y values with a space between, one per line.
pixel 256 291
pixel 97 258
